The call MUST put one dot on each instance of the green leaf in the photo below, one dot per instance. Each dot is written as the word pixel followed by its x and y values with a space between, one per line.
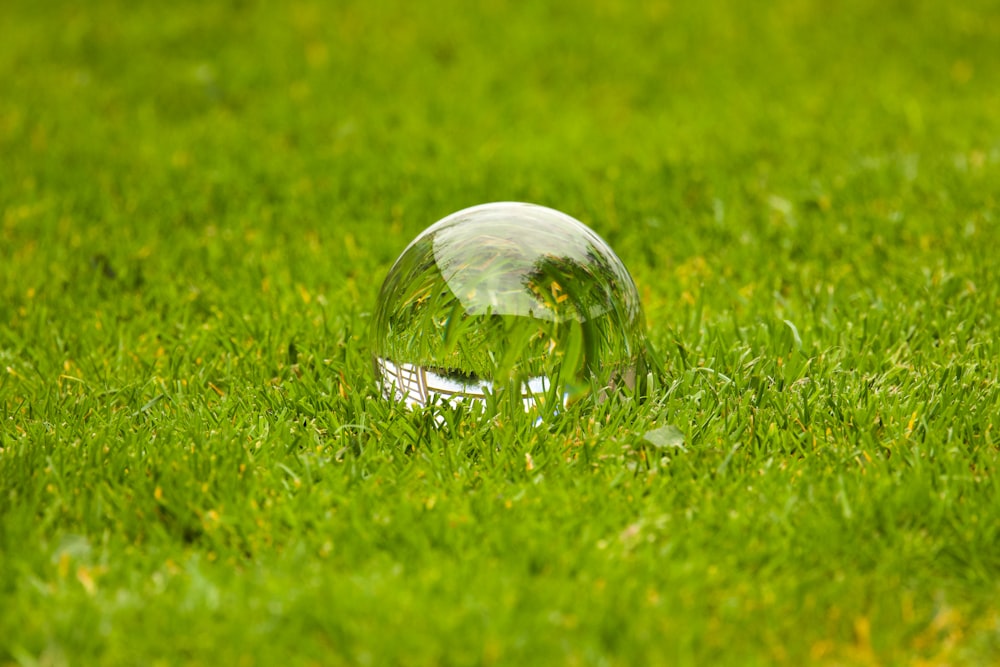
pixel 664 437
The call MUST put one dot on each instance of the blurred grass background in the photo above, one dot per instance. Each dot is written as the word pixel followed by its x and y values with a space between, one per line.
pixel 199 202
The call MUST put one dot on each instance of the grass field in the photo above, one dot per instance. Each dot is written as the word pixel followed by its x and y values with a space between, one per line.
pixel 198 203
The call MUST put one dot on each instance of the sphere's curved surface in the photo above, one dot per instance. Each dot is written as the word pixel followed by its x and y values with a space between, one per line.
pixel 507 297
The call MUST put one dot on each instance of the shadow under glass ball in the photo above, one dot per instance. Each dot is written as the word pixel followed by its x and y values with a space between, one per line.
pixel 507 300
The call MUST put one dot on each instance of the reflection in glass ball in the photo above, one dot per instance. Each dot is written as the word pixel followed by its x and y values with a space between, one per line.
pixel 508 302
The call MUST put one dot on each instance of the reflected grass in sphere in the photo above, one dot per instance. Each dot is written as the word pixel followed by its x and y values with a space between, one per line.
pixel 508 300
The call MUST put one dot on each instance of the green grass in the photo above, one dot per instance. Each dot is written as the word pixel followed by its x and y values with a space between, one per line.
pixel 198 205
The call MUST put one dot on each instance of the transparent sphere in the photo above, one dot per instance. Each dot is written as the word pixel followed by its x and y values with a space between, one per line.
pixel 508 302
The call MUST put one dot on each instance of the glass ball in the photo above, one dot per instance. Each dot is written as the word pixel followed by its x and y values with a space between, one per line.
pixel 508 302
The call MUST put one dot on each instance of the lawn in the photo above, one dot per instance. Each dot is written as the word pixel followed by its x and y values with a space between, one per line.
pixel 199 202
